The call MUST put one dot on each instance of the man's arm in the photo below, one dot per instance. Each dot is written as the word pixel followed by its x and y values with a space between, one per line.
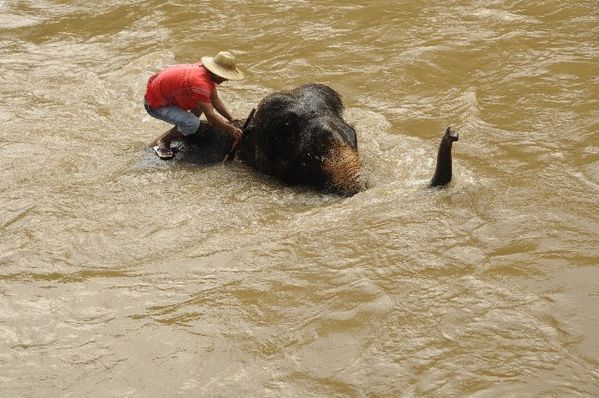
pixel 218 121
pixel 220 106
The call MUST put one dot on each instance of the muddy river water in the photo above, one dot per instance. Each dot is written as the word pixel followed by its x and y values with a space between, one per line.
pixel 125 276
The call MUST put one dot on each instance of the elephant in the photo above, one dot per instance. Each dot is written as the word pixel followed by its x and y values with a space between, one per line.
pixel 300 137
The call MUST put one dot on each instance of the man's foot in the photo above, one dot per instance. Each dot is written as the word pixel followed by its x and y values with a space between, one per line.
pixel 163 152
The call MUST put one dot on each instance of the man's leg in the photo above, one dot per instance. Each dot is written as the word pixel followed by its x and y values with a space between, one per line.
pixel 186 123
pixel 162 144
pixel 167 137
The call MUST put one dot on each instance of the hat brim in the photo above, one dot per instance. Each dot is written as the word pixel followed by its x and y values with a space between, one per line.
pixel 229 74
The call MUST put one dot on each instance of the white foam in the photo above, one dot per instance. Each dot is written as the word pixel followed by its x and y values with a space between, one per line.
pixel 11 21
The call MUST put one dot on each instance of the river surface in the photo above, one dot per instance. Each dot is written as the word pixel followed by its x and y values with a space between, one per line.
pixel 125 276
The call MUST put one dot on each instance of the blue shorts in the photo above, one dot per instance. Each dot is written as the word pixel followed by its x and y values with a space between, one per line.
pixel 187 123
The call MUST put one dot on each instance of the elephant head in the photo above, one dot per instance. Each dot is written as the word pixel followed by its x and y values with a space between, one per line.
pixel 301 137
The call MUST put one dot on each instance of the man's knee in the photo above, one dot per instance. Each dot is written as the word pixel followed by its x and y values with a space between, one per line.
pixel 189 126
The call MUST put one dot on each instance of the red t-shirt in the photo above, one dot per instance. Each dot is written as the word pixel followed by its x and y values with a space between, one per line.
pixel 180 85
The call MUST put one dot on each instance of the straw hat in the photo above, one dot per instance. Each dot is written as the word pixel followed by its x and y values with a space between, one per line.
pixel 223 65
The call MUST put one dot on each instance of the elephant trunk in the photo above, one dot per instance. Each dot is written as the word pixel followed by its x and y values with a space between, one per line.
pixel 443 170
pixel 343 169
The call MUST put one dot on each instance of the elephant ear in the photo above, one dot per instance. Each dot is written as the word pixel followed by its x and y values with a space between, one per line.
pixel 284 142
pixel 265 131
pixel 275 117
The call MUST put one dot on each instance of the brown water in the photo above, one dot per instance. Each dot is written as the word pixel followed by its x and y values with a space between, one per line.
pixel 121 275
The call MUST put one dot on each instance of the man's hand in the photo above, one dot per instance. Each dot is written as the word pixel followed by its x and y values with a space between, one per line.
pixel 236 133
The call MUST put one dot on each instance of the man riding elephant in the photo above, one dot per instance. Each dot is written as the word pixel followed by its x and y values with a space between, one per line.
pixel 181 93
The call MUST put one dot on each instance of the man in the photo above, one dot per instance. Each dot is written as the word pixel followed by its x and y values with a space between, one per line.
pixel 180 94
